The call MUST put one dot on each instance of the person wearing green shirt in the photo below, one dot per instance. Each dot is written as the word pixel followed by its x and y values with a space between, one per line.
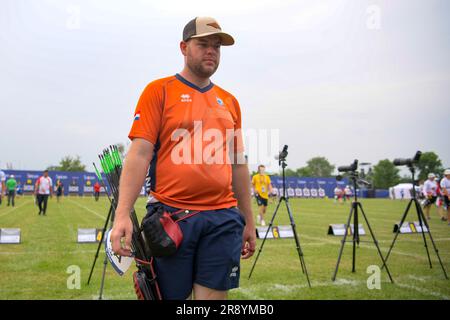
pixel 11 185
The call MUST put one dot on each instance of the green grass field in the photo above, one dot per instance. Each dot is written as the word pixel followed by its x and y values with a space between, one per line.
pixel 37 268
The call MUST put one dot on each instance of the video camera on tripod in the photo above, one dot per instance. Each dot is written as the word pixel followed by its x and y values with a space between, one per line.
pixel 352 172
pixel 356 209
pixel 281 157
pixel 410 162
pixel 351 168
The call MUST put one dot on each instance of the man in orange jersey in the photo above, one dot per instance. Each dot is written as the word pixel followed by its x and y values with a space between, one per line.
pixel 188 129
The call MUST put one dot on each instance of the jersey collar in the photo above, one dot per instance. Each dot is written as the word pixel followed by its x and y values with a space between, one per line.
pixel 190 84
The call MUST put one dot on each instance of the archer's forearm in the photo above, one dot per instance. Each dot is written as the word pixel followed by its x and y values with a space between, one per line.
pixel 132 179
pixel 241 189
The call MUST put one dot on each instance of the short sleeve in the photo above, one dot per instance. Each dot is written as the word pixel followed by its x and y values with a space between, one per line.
pixel 238 142
pixel 148 114
pixel 268 180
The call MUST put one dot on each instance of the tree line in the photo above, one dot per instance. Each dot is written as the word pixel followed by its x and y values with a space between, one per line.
pixel 382 175
pixel 74 164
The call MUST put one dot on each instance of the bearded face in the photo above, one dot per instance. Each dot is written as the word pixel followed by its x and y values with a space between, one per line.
pixel 203 55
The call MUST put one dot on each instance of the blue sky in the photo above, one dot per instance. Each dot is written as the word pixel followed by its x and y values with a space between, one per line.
pixel 342 79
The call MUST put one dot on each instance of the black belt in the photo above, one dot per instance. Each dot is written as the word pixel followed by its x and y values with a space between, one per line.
pixel 182 214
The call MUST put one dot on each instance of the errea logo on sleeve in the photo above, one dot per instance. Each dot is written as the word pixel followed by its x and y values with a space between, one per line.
pixel 185 98
pixel 137 116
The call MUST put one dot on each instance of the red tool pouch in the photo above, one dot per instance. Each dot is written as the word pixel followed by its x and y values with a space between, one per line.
pixel 162 232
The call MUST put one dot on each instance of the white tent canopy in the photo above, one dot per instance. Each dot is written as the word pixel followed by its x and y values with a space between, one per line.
pixel 402 191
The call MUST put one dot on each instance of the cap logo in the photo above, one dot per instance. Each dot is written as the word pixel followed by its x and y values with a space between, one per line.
pixel 214 25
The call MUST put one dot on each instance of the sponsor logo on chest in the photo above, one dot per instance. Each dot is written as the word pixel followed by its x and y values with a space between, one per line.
pixel 185 98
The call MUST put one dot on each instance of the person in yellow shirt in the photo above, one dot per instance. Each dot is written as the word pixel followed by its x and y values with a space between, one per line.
pixel 262 187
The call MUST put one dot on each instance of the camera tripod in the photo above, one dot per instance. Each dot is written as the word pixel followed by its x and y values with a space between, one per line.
pixel 284 198
pixel 422 222
pixel 109 219
pixel 356 205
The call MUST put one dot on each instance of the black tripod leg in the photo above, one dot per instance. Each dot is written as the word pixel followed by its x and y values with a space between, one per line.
pixel 422 219
pixel 432 242
pixel 342 244
pixel 398 232
pixel 294 231
pixel 355 234
pixel 100 243
pixel 297 242
pixel 265 237
pixel 375 242
pixel 105 263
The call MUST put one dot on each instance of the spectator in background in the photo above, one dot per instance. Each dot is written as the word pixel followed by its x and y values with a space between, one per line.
pixel 59 189
pixel 348 192
pixel 392 193
pixel 43 188
pixel 2 184
pixel 419 191
pixel 96 190
pixel 338 194
pixel 19 188
pixel 445 191
pixel 263 188
pixel 11 185
pixel 440 200
pixel 430 188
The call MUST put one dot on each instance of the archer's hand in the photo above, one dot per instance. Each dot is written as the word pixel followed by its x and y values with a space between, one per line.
pixel 248 241
pixel 123 228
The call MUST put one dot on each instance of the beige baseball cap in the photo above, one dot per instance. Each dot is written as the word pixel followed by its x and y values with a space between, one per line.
pixel 206 26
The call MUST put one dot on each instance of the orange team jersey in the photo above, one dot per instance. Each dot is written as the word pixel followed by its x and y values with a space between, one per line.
pixel 195 132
